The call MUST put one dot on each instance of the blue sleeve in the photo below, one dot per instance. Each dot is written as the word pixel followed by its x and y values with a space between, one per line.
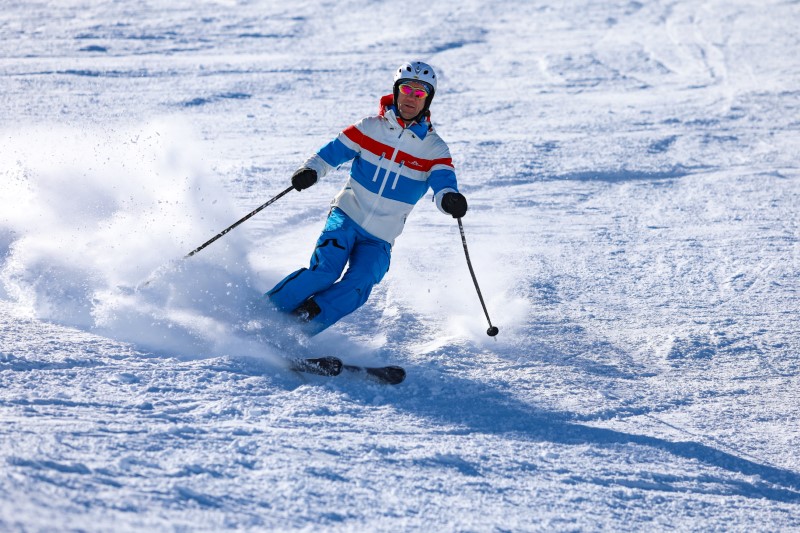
pixel 335 152
pixel 442 179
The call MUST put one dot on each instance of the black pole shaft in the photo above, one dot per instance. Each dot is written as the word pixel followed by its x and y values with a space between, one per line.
pixel 492 331
pixel 244 218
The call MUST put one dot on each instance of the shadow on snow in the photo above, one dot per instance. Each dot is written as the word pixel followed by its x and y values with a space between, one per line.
pixel 485 410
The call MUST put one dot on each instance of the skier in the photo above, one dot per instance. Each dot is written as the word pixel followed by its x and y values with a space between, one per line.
pixel 397 156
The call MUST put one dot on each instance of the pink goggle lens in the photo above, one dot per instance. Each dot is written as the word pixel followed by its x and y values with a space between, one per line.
pixel 416 92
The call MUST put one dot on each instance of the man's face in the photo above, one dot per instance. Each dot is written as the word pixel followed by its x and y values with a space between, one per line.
pixel 409 105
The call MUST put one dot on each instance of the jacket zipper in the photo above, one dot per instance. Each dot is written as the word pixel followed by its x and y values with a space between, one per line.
pixel 368 218
pixel 397 175
pixel 378 168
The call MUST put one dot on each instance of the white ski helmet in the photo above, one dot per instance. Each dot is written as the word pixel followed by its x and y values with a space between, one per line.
pixel 419 72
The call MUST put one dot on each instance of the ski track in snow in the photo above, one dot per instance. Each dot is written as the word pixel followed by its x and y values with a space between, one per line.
pixel 631 169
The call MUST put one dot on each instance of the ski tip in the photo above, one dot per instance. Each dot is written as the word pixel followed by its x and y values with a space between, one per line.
pixel 400 375
pixel 390 375
pixel 386 375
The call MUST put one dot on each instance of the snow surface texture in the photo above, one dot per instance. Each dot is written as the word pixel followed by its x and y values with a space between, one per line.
pixel 632 174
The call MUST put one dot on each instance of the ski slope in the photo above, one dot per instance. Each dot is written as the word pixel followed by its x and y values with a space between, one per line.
pixel 631 170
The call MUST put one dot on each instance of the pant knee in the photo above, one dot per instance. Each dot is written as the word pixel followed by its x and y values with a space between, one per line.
pixel 297 287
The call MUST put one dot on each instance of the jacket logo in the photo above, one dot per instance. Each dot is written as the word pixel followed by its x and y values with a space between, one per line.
pixel 414 163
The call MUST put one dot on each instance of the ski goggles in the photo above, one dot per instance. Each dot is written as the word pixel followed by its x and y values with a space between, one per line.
pixel 416 92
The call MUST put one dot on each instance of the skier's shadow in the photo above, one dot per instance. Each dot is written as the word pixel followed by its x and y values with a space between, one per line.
pixel 481 409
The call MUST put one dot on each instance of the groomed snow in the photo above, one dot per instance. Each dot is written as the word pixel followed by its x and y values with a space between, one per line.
pixel 631 170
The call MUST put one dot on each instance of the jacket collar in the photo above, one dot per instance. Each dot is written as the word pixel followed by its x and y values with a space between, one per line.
pixel 389 111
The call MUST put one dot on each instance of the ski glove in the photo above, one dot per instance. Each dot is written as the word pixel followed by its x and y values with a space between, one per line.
pixel 304 178
pixel 455 204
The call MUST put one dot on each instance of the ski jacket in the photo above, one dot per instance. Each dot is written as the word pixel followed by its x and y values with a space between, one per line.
pixel 394 164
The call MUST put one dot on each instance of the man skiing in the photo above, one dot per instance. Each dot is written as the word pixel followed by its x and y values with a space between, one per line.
pixel 397 156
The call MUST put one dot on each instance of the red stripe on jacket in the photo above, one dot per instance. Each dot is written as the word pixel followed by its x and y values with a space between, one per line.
pixel 384 150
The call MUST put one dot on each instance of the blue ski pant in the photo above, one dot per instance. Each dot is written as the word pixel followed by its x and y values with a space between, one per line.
pixel 342 241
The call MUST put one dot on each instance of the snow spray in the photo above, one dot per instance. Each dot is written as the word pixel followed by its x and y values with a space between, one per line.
pixel 87 214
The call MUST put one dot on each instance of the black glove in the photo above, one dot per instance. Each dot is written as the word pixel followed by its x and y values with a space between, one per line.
pixel 304 178
pixel 455 204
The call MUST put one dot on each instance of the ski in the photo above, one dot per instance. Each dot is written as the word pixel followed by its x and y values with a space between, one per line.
pixel 333 366
pixel 320 366
pixel 390 375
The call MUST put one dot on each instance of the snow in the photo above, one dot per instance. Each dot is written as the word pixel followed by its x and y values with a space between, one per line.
pixel 631 169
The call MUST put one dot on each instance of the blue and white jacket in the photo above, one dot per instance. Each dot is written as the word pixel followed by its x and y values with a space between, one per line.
pixel 394 164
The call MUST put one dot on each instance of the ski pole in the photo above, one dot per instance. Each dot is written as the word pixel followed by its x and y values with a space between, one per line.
pixel 492 331
pixel 246 217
